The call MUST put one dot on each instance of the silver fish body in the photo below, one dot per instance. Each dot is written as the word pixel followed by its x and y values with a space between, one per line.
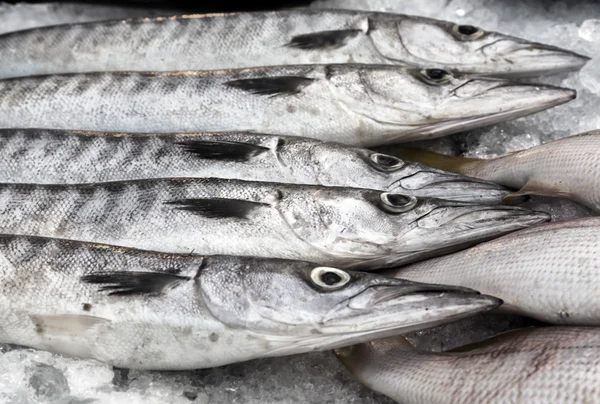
pixel 360 105
pixel 303 36
pixel 150 310
pixel 549 272
pixel 566 167
pixel 53 157
pixel 23 16
pixel 348 227
pixel 536 365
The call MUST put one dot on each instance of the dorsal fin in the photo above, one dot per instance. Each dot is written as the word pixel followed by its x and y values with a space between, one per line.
pixel 134 283
pixel 218 207
pixel 222 150
pixel 273 86
pixel 323 39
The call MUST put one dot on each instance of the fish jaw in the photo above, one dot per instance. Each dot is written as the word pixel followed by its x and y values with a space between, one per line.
pixel 422 181
pixel 453 226
pixel 493 102
pixel 386 310
pixel 517 58
pixel 477 102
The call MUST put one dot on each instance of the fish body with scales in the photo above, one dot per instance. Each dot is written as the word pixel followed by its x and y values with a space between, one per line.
pixel 345 227
pixel 54 157
pixel 534 365
pixel 250 39
pixel 150 310
pixel 549 272
pixel 359 105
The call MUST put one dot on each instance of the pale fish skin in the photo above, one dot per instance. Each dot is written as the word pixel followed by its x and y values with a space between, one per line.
pixel 566 167
pixel 354 104
pixel 54 156
pixel 549 272
pixel 250 39
pixel 345 227
pixel 150 310
pixel 536 365
pixel 22 16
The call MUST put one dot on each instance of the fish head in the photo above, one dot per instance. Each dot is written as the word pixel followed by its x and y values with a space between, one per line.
pixel 466 48
pixel 302 306
pixel 330 163
pixel 414 103
pixel 361 227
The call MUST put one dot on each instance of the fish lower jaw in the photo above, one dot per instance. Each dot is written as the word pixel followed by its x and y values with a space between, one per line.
pixel 459 125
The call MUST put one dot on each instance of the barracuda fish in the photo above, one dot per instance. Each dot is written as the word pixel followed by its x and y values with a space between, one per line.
pixel 348 227
pixel 216 41
pixel 550 272
pixel 360 105
pixel 150 310
pixel 535 365
pixel 562 168
pixel 54 157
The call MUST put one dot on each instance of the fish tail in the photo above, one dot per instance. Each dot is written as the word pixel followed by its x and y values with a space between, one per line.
pixel 460 165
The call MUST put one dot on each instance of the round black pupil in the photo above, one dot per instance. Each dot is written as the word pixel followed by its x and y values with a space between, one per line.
pixel 436 74
pixel 398 200
pixel 330 278
pixel 387 161
pixel 467 29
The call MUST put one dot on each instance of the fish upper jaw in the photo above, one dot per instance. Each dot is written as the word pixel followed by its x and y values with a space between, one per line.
pixel 382 312
pixel 516 58
pixel 494 103
pixel 432 183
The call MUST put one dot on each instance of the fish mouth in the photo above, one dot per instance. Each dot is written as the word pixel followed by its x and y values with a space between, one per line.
pixel 390 307
pixel 431 183
pixel 396 308
pixel 492 101
pixel 522 59
pixel 453 226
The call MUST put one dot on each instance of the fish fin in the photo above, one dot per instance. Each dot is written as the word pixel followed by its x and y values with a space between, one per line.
pixel 219 207
pixel 273 86
pixel 64 323
pixel 531 188
pixel 126 283
pixel 432 159
pixel 323 39
pixel 218 150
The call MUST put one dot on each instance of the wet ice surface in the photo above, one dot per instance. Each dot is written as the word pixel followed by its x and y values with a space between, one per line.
pixel 29 376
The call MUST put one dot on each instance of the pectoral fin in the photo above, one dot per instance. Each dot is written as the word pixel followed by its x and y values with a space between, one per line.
pixel 532 188
pixel 64 323
pixel 69 334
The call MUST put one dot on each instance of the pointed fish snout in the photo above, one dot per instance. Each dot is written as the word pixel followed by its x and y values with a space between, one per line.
pixel 433 183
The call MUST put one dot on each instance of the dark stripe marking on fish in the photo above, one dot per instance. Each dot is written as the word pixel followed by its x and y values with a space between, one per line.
pixel 323 39
pixel 231 151
pixel 135 283
pixel 273 86
pixel 218 207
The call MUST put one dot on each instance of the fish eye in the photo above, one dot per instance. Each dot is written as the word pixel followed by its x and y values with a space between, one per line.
pixel 397 203
pixel 467 32
pixel 329 278
pixel 436 76
pixel 385 162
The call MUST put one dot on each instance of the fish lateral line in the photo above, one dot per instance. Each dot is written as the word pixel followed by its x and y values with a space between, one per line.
pixel 272 86
pixel 222 150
